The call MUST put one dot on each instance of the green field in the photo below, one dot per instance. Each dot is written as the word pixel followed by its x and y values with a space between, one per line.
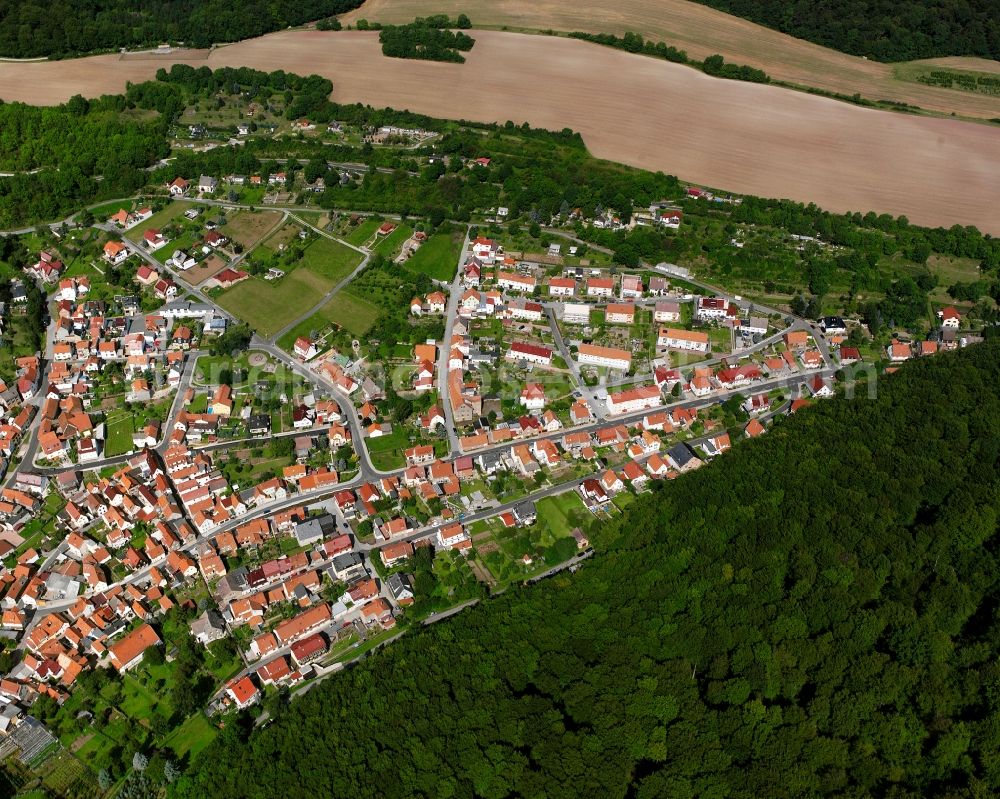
pixel 269 306
pixel 191 737
pixel 182 242
pixel 314 324
pixel 118 434
pixel 160 219
pixel 364 231
pixel 354 314
pixel 438 256
pixel 554 514
pixel 330 259
pixel 390 245
pixel 721 339
pixel 387 451
pixel 102 212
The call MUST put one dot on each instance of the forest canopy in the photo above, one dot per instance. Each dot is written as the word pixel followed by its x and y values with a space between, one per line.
pixel 886 30
pixel 813 614
pixel 31 28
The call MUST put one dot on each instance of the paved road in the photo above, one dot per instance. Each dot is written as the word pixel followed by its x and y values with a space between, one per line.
pixel 590 394
pixel 666 269
pixel 454 299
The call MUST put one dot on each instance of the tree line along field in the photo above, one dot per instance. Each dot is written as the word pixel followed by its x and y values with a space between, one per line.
pixel 742 140
pixel 702 31
pixel 31 29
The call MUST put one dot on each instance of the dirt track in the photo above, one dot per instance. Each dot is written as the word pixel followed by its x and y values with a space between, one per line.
pixel 640 111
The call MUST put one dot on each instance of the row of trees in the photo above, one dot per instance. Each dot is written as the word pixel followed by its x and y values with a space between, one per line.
pixel 886 30
pixel 30 28
pixel 713 65
pixel 426 39
pixel 812 614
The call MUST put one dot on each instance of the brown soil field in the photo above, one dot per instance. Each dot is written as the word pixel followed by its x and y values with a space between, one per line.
pixel 742 137
pixel 702 31
pixel 249 227
pixel 210 267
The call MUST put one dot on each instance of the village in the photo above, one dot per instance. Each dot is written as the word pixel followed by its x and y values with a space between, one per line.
pixel 272 499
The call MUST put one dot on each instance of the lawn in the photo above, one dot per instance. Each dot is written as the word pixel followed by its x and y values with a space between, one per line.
pixel 554 513
pixel 270 305
pixel 140 702
pixel 387 451
pixel 354 314
pixel 118 435
pixel 364 231
pixel 438 256
pixel 623 500
pixel 313 326
pixel 721 340
pixel 283 235
pixel 182 242
pixel 102 212
pixel 160 219
pixel 390 245
pixel 329 259
pixel 191 737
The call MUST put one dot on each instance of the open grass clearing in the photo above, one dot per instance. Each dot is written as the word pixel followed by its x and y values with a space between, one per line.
pixel 313 327
pixel 390 245
pixel 191 737
pixel 270 305
pixel 364 231
pixel 950 270
pixel 387 451
pixel 438 256
pixel 329 259
pixel 554 514
pixel 102 212
pixel 182 242
pixel 118 434
pixel 285 234
pixel 160 219
pixel 352 313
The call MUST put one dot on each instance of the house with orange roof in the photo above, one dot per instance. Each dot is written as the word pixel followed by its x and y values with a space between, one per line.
pixel 127 652
pixel 243 692
pixel 899 351
pixel 753 429
pixel 115 253
pixel 796 339
pixel 453 536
